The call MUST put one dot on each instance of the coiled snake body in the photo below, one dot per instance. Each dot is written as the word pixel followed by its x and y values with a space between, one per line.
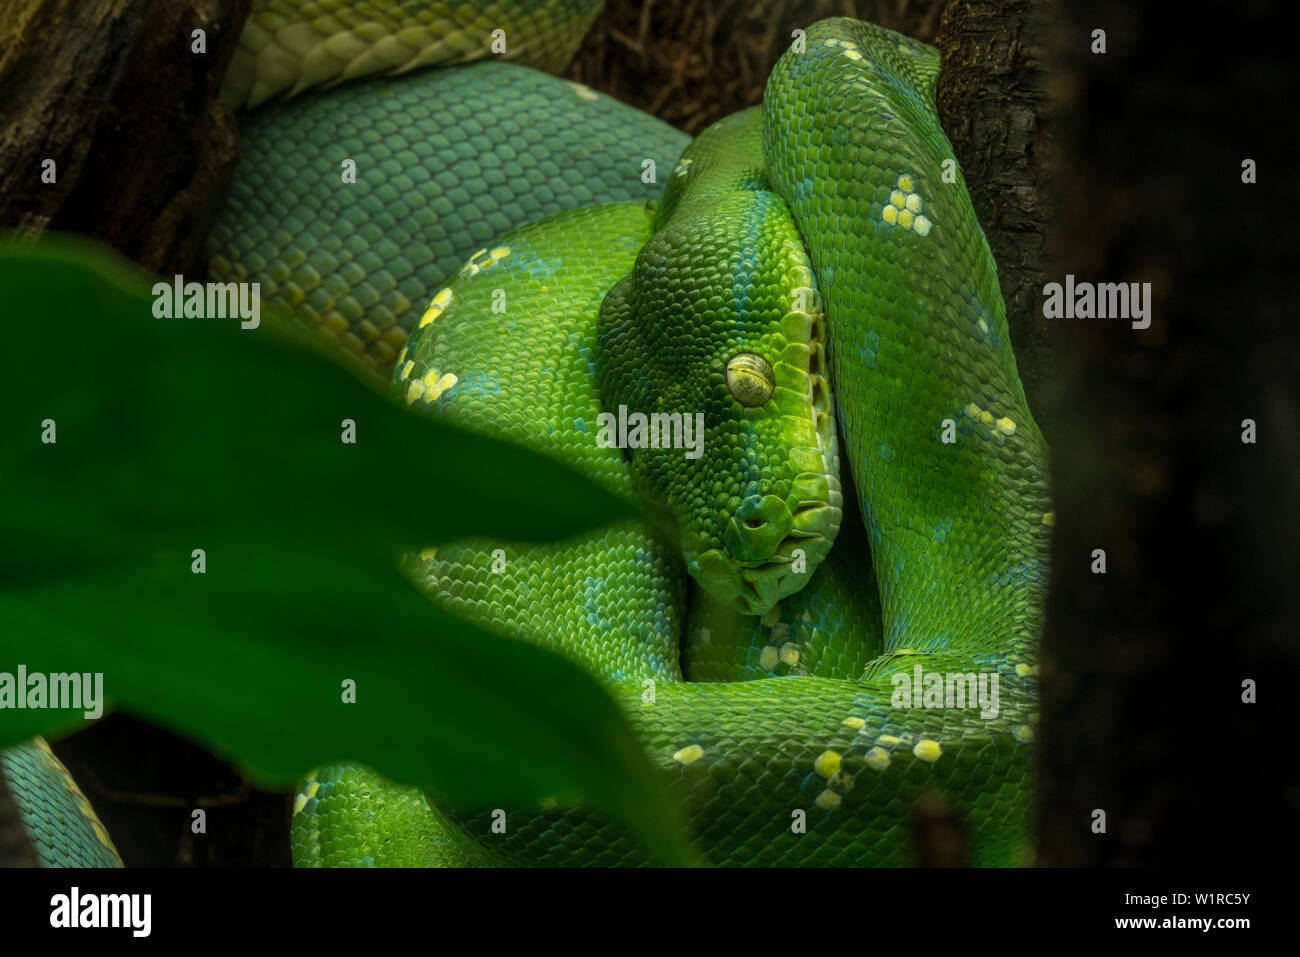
pixel 867 501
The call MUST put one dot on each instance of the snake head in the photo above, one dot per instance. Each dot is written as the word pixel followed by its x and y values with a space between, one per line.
pixel 719 327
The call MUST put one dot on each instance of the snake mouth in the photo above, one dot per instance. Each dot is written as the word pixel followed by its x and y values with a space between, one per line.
pixel 754 587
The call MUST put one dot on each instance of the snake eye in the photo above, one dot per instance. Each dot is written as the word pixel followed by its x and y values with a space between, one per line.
pixel 749 379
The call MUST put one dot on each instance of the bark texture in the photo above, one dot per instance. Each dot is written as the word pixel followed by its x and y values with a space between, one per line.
pixel 112 92
pixel 992 100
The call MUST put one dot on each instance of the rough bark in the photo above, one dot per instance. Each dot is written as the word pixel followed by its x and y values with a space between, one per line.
pixel 692 62
pixel 111 91
pixel 992 101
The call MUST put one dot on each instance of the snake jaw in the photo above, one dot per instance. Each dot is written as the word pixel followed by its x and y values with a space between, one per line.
pixel 753 587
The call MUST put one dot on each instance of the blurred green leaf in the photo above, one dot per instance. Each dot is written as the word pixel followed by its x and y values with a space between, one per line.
pixel 171 428
pixel 176 434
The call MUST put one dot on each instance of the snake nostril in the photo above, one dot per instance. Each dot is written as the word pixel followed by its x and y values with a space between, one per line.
pixel 755 531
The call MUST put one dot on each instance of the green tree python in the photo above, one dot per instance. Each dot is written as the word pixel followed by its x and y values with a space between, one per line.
pixel 804 316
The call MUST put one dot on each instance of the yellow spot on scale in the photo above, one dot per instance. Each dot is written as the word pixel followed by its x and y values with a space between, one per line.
pixel 984 326
pixel 905 183
pixel 584 92
pixel 856 723
pixel 501 252
pixel 1023 733
pixel 790 653
pixel 402 355
pixel 914 202
pixel 973 410
pixel 86 809
pixel 1049 518
pixel 443 299
pixel 987 418
pixel 428 554
pixel 853 54
pixel 922 226
pixel 832 42
pixel 438 388
pixel 299 802
pixel 927 750
pixel 98 828
pixel 877 759
pixel 905 218
pixel 905 651
pixel 406 369
pixel 1024 670
pixel 888 740
pixel 414 391
pixel 890 215
pixel 827 764
pixel 828 800
pixel 898 199
pixel 688 754
pixel 430 314
pixel 768 658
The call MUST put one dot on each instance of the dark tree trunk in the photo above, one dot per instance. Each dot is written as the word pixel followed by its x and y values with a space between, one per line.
pixel 1143 666
pixel 992 101
pixel 111 91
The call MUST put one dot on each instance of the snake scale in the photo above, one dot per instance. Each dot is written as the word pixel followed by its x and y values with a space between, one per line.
pixel 865 498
